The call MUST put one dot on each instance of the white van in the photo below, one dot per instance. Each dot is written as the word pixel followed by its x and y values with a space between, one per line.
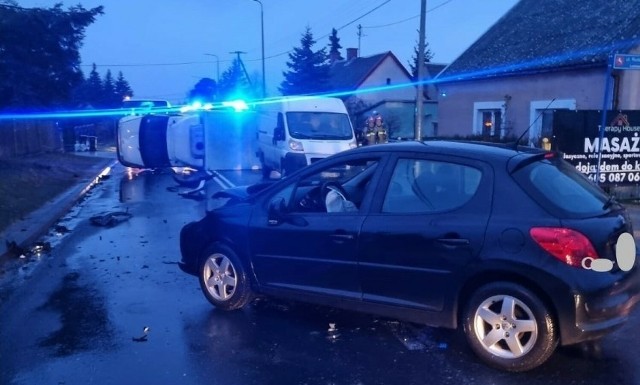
pixel 160 140
pixel 295 132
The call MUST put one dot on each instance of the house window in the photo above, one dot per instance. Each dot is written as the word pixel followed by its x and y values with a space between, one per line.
pixel 388 81
pixel 491 122
pixel 487 119
pixel 541 118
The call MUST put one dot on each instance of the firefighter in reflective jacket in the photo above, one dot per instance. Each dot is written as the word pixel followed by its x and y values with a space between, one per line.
pixel 375 131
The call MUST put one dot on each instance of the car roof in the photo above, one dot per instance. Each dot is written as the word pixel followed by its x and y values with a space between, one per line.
pixel 481 150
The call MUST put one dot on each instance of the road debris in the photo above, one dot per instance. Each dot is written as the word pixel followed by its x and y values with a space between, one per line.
pixel 61 229
pixel 41 247
pixel 14 250
pixel 144 337
pixel 332 332
pixel 110 219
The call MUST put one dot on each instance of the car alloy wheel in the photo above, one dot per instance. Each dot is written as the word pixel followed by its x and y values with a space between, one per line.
pixel 223 279
pixel 505 326
pixel 220 276
pixel 509 327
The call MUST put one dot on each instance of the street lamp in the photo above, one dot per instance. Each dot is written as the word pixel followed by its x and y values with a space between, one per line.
pixel 217 65
pixel 264 87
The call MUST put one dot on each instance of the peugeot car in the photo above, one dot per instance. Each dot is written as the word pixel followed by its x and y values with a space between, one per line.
pixel 511 245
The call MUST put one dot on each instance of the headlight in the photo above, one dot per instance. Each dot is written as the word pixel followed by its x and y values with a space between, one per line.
pixel 294 145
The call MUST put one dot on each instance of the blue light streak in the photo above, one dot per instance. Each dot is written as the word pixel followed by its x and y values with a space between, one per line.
pixel 510 69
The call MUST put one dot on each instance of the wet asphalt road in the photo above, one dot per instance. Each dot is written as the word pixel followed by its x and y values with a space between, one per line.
pixel 76 315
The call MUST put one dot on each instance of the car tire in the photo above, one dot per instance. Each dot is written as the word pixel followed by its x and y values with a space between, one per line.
pixel 266 170
pixel 509 327
pixel 223 279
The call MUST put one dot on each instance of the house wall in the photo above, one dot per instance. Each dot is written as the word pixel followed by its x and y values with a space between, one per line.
pixel 519 98
pixel 399 87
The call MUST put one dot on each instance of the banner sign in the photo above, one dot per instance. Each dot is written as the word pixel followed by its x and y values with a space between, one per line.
pixel 577 135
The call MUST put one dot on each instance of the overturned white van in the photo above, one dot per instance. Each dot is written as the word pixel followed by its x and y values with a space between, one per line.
pixel 157 141
pixel 295 132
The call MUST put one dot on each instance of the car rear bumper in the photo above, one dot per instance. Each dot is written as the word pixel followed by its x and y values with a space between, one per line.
pixel 601 312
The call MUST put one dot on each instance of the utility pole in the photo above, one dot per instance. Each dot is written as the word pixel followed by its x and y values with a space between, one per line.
pixel 264 82
pixel 420 88
pixel 359 37
pixel 244 69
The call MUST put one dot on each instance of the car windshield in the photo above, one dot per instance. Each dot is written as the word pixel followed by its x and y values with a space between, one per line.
pixel 319 125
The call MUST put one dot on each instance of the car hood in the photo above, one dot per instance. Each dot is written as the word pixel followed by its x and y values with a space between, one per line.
pixel 241 193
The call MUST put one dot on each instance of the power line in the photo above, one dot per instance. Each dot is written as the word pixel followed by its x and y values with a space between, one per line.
pixel 409 18
pixel 325 35
pixel 358 18
pixel 247 60
pixel 152 64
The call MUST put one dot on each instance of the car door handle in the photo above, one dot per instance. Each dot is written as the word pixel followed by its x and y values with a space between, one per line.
pixel 454 241
pixel 342 237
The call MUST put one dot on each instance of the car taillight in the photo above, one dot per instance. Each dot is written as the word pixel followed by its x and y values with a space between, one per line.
pixel 569 246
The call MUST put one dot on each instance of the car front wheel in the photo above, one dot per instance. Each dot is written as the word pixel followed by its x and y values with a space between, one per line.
pixel 509 327
pixel 266 170
pixel 223 279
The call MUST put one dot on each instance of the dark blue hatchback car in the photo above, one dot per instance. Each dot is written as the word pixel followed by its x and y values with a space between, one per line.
pixel 511 245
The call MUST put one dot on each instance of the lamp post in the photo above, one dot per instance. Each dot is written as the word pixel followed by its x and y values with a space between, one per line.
pixel 420 94
pixel 217 65
pixel 264 87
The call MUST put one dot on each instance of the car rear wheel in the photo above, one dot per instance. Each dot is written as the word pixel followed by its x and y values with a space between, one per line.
pixel 223 279
pixel 509 327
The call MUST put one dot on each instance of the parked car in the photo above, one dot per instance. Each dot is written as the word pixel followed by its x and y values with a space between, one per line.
pixel 496 241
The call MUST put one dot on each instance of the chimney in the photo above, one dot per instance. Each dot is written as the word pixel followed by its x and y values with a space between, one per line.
pixel 352 53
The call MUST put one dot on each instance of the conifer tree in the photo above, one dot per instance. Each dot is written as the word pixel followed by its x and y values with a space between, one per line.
pixel 334 46
pixel 413 64
pixel 39 54
pixel 308 69
pixel 123 89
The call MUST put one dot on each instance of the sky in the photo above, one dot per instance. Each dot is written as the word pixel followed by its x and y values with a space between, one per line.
pixel 164 47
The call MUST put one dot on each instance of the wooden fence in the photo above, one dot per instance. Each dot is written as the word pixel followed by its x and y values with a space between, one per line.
pixel 24 137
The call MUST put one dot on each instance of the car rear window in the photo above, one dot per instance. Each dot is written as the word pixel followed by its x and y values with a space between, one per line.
pixel 561 189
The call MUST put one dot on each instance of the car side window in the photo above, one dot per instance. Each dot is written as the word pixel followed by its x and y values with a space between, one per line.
pixel 424 186
pixel 338 188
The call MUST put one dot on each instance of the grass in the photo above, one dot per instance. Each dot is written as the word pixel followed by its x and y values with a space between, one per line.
pixel 29 182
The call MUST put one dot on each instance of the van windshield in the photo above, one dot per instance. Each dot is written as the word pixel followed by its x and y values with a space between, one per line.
pixel 319 125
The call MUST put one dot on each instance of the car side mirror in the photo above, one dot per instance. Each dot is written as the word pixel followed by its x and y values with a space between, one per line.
pixel 277 210
pixel 278 214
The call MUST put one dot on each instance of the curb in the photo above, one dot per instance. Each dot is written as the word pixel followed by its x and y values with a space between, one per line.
pixel 36 224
